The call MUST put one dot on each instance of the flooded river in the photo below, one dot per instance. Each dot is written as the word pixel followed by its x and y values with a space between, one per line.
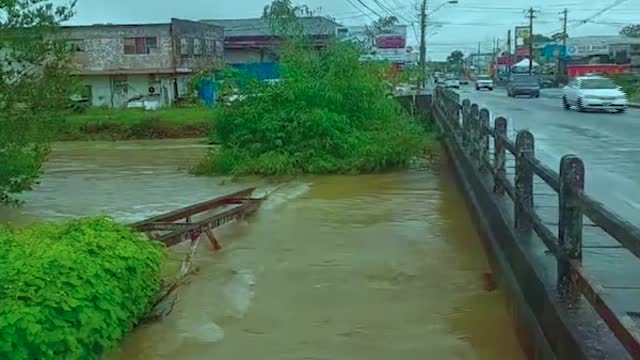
pixel 336 267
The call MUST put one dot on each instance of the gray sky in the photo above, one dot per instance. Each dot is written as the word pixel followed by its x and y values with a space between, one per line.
pixel 459 26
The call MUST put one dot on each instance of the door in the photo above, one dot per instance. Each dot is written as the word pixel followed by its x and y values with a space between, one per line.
pixel 572 91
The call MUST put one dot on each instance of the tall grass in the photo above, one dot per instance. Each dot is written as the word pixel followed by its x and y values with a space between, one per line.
pixel 329 114
pixel 121 124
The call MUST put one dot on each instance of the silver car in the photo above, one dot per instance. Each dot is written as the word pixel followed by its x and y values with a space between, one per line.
pixel 484 82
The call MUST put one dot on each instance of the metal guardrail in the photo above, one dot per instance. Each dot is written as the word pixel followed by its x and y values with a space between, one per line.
pixel 470 127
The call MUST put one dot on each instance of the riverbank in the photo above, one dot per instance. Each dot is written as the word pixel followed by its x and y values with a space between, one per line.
pixel 137 124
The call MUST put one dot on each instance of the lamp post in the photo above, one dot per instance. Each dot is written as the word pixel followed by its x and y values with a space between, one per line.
pixel 423 39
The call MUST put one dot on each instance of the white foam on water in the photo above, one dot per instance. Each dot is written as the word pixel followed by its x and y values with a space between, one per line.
pixel 280 195
pixel 208 332
pixel 239 292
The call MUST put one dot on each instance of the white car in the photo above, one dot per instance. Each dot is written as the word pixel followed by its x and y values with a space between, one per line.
pixel 452 83
pixel 484 82
pixel 594 93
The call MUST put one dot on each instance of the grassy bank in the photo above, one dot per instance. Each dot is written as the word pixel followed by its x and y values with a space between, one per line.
pixel 630 85
pixel 125 124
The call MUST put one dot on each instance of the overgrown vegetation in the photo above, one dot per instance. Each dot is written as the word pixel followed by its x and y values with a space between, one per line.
pixel 330 113
pixel 34 89
pixel 123 124
pixel 73 291
pixel 630 84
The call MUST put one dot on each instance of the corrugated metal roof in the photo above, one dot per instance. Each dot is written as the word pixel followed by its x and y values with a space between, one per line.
pixel 259 27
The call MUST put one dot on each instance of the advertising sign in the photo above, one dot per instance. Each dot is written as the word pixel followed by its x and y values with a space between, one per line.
pixel 587 49
pixel 522 33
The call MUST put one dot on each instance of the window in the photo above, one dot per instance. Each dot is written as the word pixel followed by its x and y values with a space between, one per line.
pixel 139 45
pixel 120 85
pixel 598 84
pixel 184 46
pixel 197 46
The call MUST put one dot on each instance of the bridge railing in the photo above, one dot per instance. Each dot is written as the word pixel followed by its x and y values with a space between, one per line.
pixel 469 125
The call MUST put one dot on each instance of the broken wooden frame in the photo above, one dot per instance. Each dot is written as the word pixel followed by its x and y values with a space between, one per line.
pixel 190 222
pixel 469 126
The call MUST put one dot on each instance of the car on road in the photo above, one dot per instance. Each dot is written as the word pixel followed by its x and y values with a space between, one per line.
pixel 484 82
pixel 523 85
pixel 452 83
pixel 594 93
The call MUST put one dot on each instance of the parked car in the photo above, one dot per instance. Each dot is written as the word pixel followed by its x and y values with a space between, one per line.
pixel 523 85
pixel 484 82
pixel 452 83
pixel 464 81
pixel 594 92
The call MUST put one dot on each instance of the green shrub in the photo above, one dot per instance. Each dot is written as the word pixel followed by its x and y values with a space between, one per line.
pixel 330 113
pixel 73 291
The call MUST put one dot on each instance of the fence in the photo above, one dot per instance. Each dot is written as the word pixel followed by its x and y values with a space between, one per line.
pixel 470 127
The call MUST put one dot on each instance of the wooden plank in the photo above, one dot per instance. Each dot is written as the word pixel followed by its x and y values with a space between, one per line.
pixel 192 209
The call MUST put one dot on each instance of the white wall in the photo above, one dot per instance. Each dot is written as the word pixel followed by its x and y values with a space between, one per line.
pixel 104 93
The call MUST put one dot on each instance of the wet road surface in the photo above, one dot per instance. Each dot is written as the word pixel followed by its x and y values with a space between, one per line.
pixel 608 143
pixel 336 267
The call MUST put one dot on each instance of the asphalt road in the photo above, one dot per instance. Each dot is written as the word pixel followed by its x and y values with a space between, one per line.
pixel 608 143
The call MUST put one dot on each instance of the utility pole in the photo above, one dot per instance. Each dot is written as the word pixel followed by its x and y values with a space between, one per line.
pixel 423 45
pixel 509 42
pixel 531 14
pixel 478 60
pixel 564 28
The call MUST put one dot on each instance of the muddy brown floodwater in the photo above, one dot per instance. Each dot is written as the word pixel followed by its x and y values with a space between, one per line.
pixel 336 267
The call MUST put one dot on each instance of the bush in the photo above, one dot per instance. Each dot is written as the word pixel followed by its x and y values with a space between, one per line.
pixel 330 113
pixel 73 291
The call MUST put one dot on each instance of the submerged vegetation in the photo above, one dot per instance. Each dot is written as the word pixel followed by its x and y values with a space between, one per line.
pixel 329 113
pixel 74 290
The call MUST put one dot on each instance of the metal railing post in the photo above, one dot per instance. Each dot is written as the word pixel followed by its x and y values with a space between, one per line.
pixel 484 138
pixel 499 155
pixel 466 110
pixel 524 180
pixel 570 216
pixel 474 119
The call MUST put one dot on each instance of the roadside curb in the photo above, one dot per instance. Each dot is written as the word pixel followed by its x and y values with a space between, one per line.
pixel 635 106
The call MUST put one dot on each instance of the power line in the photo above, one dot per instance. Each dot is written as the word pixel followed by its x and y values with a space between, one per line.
pixel 368 8
pixel 600 12
pixel 359 9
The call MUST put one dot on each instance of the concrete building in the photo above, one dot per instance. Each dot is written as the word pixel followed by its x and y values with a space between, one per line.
pixel 118 63
pixel 251 44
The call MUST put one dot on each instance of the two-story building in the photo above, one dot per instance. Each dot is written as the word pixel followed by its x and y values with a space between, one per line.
pixel 252 45
pixel 118 63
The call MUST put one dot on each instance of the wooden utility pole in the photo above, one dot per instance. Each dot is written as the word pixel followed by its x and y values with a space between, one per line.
pixel 560 78
pixel 564 28
pixel 509 42
pixel 531 14
pixel 423 45
pixel 478 60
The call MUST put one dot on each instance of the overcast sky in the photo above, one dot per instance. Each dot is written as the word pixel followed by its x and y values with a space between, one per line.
pixel 459 26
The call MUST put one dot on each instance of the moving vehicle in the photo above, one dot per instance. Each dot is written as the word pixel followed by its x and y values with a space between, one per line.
pixel 484 82
pixel 523 85
pixel 594 92
pixel 452 83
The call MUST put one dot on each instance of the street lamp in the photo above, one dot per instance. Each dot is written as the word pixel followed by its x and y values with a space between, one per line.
pixel 423 40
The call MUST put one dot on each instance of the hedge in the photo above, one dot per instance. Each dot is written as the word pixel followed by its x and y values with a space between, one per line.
pixel 73 290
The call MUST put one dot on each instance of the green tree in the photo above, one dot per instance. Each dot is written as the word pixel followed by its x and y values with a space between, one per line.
pixel 559 36
pixel 34 88
pixel 538 38
pixel 455 61
pixel 631 31
pixel 317 119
